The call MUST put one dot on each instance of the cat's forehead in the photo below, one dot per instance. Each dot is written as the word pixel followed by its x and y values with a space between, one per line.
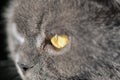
pixel 56 15
pixel 32 8
pixel 52 14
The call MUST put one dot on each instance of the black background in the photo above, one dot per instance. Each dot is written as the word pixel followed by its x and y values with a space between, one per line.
pixel 3 45
pixel 7 67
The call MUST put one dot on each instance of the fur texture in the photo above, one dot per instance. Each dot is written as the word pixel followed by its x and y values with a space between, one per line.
pixel 93 52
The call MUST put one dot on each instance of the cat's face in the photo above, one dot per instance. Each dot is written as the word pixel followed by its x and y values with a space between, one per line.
pixel 34 22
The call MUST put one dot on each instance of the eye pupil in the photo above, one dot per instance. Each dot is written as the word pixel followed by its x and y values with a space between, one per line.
pixel 59 41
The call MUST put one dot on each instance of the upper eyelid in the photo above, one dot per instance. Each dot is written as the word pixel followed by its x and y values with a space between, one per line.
pixel 58 31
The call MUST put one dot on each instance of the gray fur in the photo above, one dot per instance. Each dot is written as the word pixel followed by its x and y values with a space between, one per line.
pixel 94 30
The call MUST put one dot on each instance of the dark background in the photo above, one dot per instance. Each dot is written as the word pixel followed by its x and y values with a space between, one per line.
pixel 7 67
pixel 3 45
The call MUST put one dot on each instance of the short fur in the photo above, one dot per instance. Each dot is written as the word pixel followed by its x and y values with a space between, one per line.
pixel 93 52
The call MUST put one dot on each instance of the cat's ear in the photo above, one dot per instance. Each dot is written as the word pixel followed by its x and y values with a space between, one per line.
pixel 111 4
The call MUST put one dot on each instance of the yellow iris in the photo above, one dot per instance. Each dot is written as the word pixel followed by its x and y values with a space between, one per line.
pixel 59 41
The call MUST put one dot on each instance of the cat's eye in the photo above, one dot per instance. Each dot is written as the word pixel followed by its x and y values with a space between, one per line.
pixel 59 41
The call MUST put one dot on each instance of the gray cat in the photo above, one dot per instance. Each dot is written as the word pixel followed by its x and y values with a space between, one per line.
pixel 93 29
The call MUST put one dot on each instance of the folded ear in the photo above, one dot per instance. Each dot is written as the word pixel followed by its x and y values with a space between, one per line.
pixel 111 4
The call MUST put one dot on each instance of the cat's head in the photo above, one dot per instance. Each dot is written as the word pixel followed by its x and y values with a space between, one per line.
pixel 32 24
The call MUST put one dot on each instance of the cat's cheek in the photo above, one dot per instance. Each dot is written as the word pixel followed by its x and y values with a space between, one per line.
pixel 14 36
pixel 17 35
pixel 14 40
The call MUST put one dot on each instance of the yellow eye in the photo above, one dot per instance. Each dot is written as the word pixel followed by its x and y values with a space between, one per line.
pixel 59 41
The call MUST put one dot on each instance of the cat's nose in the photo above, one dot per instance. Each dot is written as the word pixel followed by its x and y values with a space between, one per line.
pixel 24 67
